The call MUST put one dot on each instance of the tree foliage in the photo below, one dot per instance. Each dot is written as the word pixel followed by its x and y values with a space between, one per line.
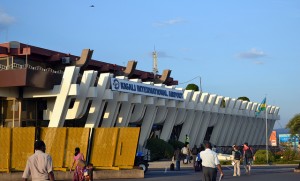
pixel 192 87
pixel 159 149
pixel 244 98
pixel 223 103
pixel 294 125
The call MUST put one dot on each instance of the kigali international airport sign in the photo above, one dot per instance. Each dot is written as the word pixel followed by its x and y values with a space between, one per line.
pixel 144 89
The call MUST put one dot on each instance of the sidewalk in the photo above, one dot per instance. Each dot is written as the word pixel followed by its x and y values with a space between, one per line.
pixel 166 164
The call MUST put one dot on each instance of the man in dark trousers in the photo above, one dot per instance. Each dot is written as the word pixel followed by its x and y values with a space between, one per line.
pixel 177 158
pixel 210 163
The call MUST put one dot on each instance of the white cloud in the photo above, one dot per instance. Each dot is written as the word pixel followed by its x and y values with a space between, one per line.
pixel 5 20
pixel 258 62
pixel 169 22
pixel 251 54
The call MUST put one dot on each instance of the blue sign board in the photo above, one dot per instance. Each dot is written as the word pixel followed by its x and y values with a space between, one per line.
pixel 286 138
pixel 145 89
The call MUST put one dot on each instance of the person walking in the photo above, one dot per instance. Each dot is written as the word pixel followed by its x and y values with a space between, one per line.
pixel 79 163
pixel 210 162
pixel 195 152
pixel 177 157
pixel 247 157
pixel 39 165
pixel 185 154
pixel 237 155
pixel 187 139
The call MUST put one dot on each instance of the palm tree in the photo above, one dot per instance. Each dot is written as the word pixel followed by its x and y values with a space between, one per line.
pixel 294 125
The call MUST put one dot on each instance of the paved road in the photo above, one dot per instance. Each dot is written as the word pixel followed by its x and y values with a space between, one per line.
pixel 267 173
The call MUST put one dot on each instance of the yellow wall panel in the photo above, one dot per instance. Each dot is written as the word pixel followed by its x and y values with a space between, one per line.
pixel 5 140
pixel 76 137
pixel 22 146
pixel 126 146
pixel 104 146
pixel 55 140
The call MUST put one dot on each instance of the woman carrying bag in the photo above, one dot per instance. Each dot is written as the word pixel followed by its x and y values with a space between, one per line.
pixel 79 163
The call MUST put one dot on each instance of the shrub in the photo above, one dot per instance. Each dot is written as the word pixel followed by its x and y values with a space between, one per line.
pixel 159 149
pixel 176 144
pixel 261 157
pixel 289 154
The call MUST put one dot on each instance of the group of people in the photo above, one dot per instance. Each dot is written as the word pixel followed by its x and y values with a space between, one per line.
pixel 40 166
pixel 209 161
pixel 246 154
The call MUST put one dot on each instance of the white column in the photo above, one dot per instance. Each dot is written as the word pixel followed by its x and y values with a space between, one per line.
pixel 148 120
pixel 169 122
pixel 245 124
pixel 206 119
pixel 111 111
pixel 98 103
pixel 251 123
pixel 191 113
pixel 62 102
pixel 233 123
pixel 82 99
pixel 199 118
pixel 219 121
pixel 227 118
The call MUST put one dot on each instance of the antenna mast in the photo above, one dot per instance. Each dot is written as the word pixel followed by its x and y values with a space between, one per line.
pixel 155 69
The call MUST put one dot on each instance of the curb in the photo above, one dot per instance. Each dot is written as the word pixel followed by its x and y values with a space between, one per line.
pixel 98 174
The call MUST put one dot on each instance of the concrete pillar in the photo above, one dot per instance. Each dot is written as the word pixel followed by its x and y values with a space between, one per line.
pixel 111 112
pixel 199 118
pixel 98 103
pixel 191 107
pixel 62 101
pixel 82 99
pixel 233 123
pixel 245 123
pixel 147 123
pixel 228 116
pixel 206 119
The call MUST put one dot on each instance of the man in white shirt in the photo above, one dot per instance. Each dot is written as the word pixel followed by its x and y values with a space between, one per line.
pixel 210 162
pixel 39 165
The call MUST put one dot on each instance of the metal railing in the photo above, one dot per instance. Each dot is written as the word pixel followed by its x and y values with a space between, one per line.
pixel 20 66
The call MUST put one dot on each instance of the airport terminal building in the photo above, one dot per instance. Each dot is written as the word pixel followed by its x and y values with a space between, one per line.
pixel 46 88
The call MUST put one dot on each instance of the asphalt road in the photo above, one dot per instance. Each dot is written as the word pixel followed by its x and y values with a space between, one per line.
pixel 261 173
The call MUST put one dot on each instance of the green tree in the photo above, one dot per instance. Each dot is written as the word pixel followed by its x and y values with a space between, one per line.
pixel 294 125
pixel 223 103
pixel 192 87
pixel 244 98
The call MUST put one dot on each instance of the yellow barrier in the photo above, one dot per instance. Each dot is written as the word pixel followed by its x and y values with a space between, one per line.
pixel 126 147
pixel 22 146
pixel 103 147
pixel 55 140
pixel 112 148
pixel 76 137
pixel 5 140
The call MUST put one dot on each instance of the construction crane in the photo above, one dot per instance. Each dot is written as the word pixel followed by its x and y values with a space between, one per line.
pixel 155 69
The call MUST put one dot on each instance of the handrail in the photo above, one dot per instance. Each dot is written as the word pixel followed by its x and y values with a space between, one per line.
pixel 2 67
pixel 20 66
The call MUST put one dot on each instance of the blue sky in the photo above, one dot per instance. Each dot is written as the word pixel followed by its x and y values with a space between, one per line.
pixel 239 48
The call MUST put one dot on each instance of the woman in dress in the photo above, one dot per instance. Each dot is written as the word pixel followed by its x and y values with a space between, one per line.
pixel 79 167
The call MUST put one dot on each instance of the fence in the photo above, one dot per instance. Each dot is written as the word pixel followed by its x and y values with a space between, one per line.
pixel 105 148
